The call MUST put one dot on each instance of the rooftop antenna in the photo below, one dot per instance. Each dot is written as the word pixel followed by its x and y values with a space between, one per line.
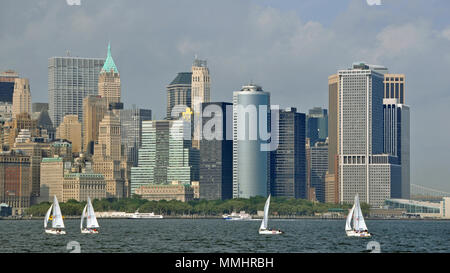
pixel 68 53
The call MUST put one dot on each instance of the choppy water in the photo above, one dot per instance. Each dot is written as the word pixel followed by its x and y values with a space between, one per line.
pixel 216 235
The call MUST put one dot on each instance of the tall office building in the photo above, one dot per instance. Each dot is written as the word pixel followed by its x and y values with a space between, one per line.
pixel 317 125
pixel 288 162
pixel 21 97
pixel 394 87
pixel 109 80
pixel 70 129
pixel 179 93
pixel 363 168
pixel 397 143
pixel 166 155
pixel 251 164
pixel 94 109
pixel 201 92
pixel 109 159
pixel 70 80
pixel 131 127
pixel 332 177
pixel 216 153
pixel 7 79
pixel 318 167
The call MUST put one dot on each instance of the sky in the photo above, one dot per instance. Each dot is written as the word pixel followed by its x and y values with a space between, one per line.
pixel 288 47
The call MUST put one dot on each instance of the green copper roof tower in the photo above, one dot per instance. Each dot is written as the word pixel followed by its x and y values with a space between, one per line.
pixel 109 62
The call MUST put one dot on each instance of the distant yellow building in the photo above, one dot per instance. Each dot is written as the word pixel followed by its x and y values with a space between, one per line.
pixel 70 129
pixel 174 191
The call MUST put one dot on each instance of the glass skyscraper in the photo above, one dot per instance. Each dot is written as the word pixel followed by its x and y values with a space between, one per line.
pixel 70 80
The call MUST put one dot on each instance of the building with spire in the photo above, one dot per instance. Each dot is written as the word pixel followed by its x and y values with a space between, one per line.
pixel 109 81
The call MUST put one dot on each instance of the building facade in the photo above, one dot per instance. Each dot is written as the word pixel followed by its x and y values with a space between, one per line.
pixel 94 109
pixel 70 80
pixel 317 125
pixel 70 129
pixel 21 97
pixel 200 92
pixel 179 93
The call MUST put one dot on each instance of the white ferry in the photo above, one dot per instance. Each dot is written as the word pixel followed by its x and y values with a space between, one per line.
pixel 237 216
pixel 151 215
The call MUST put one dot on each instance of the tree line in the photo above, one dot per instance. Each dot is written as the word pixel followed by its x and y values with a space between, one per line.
pixel 279 206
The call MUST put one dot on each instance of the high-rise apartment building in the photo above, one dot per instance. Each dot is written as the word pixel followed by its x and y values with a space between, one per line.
pixel 131 128
pixel 363 168
pixel 179 93
pixel 70 80
pixel 70 129
pixel 288 162
pixel 251 161
pixel 216 153
pixel 200 92
pixel 21 97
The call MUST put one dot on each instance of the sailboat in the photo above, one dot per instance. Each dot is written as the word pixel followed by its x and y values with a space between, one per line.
pixel 359 225
pixel 57 220
pixel 263 228
pixel 91 221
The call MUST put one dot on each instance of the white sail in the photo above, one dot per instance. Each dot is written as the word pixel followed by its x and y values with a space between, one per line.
pixel 57 221
pixel 266 214
pixel 358 219
pixel 83 215
pixel 349 219
pixel 47 215
pixel 91 219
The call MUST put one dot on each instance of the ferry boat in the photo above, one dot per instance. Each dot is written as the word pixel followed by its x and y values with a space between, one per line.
pixel 237 216
pixel 151 215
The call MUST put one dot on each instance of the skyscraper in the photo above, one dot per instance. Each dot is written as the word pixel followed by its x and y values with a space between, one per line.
pixel 251 164
pixel 21 97
pixel 201 89
pixel 288 162
pixel 332 177
pixel 166 154
pixel 7 79
pixel 179 93
pixel 318 169
pixel 70 80
pixel 317 125
pixel 397 143
pixel 363 168
pixel 216 154
pixel 394 87
pixel 70 129
pixel 109 81
pixel 94 109
pixel 131 128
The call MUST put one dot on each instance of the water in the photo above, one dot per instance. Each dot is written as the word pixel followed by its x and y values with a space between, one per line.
pixel 219 236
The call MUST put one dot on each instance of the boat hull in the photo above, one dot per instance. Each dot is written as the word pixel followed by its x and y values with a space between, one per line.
pixel 270 232
pixel 55 232
pixel 352 233
pixel 89 231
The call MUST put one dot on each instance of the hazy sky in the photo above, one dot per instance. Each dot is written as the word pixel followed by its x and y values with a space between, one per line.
pixel 288 47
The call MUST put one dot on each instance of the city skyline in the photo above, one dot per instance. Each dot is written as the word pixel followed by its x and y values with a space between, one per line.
pixel 423 36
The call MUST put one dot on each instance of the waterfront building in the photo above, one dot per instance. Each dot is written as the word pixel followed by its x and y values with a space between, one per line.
pixel 70 129
pixel 363 168
pixel 21 97
pixel 131 128
pixel 15 181
pixel 52 177
pixel 80 186
pixel 288 162
pixel 70 80
pixel 251 164
pixel 216 155
pixel 200 92
pixel 174 191
pixel 179 93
